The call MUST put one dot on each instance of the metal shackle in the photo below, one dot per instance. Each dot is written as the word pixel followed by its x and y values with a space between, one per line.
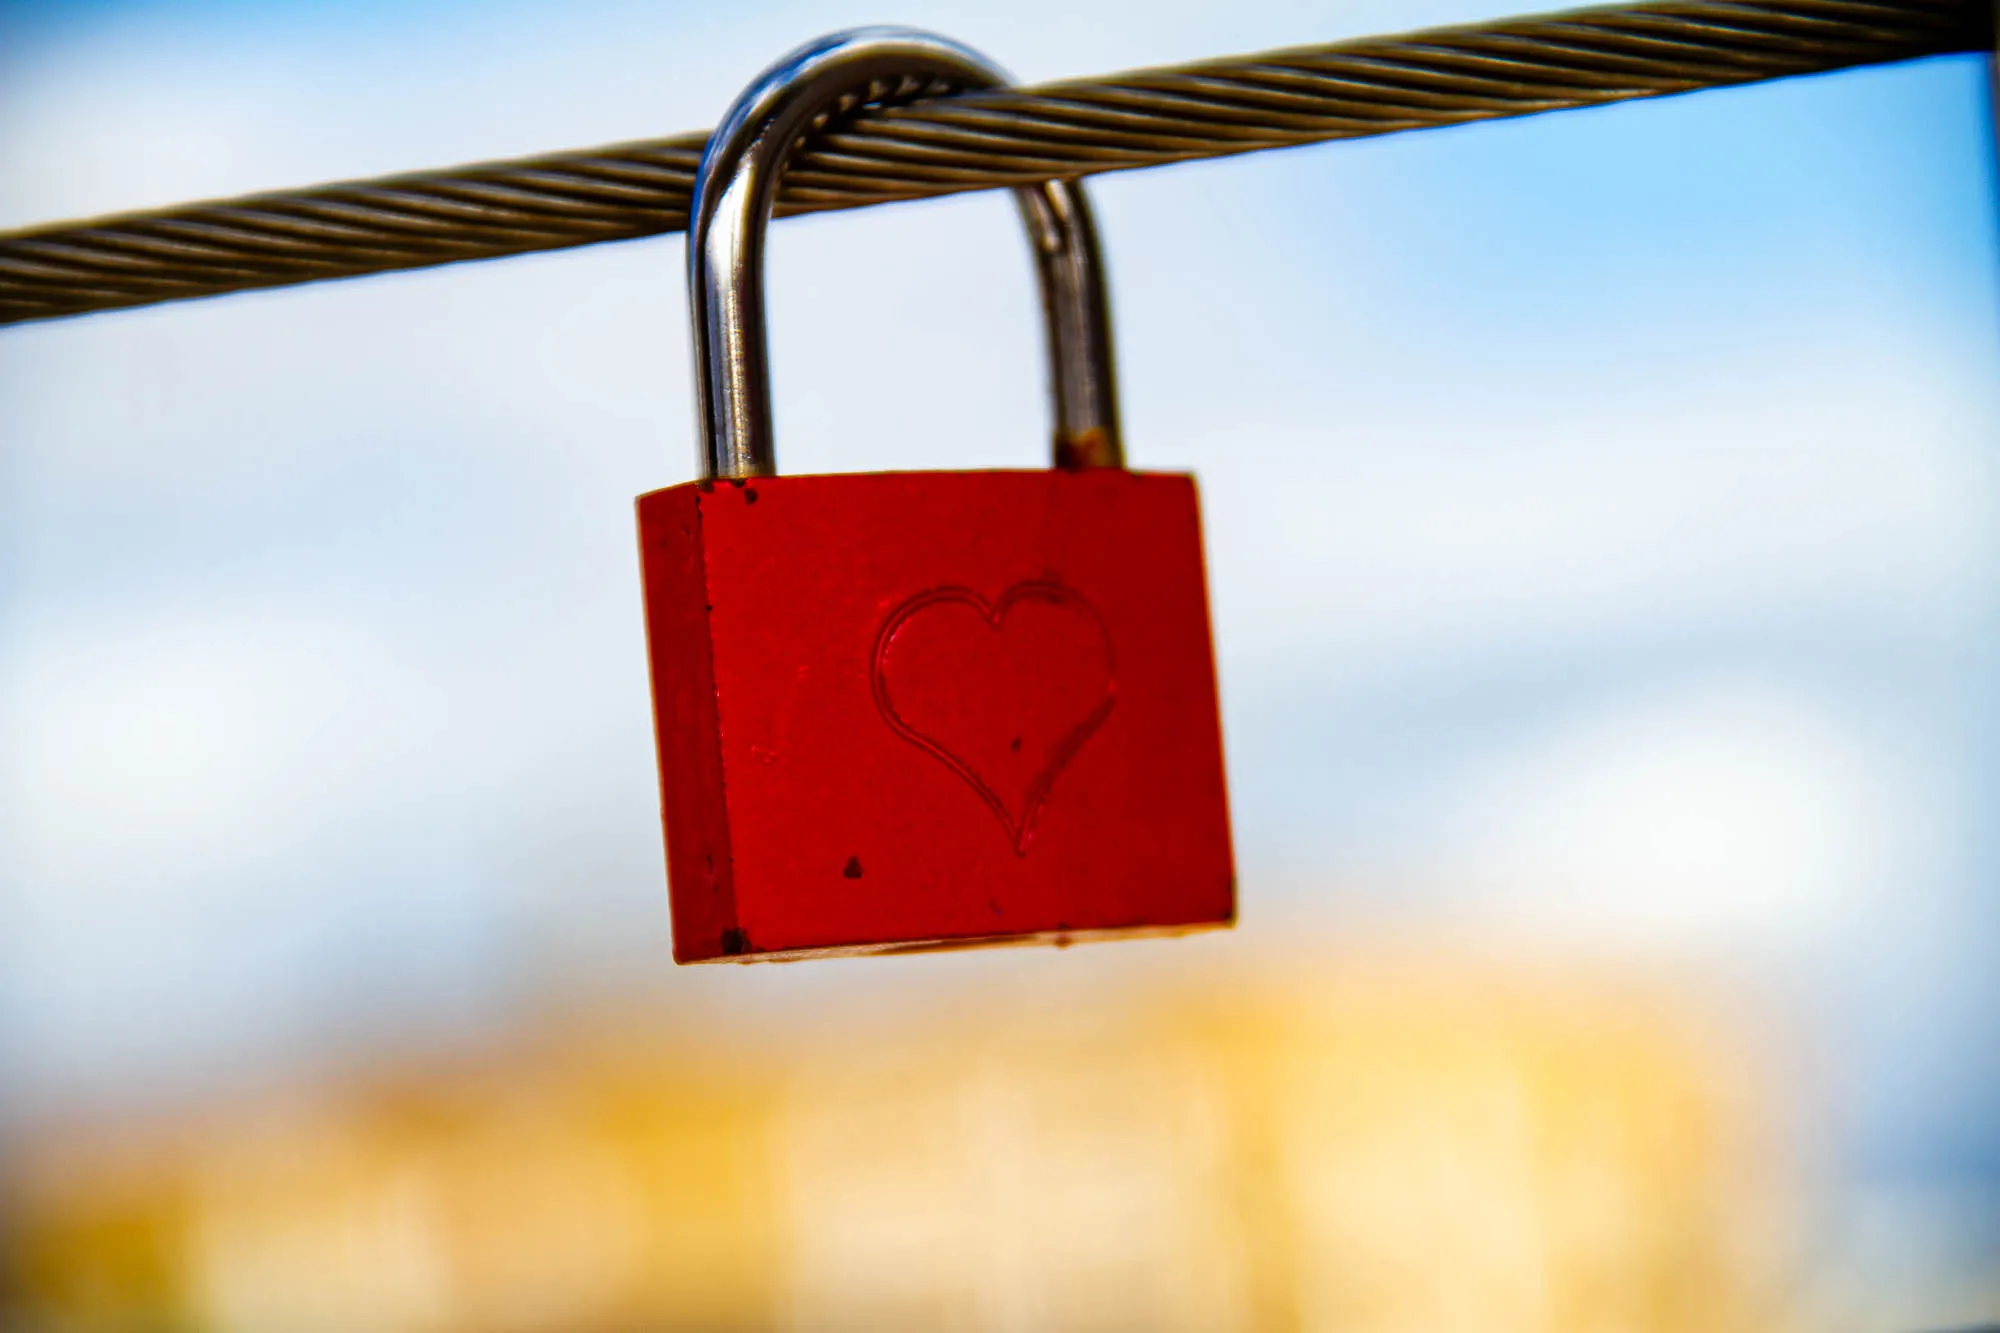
pixel 737 186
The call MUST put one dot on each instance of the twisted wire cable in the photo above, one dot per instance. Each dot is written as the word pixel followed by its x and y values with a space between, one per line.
pixel 905 142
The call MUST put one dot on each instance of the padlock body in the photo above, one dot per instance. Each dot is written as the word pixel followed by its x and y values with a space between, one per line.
pixel 934 709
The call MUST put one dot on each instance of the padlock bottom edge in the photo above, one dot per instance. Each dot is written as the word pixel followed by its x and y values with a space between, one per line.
pixel 1060 939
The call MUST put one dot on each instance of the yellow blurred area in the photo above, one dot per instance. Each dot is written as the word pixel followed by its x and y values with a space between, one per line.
pixel 1357 1146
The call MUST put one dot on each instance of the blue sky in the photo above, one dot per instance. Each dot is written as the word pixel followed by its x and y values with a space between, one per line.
pixel 1600 511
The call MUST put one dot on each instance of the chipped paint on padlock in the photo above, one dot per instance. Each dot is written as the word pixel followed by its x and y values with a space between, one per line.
pixel 917 710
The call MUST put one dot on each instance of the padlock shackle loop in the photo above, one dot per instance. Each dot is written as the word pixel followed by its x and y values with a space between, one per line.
pixel 737 186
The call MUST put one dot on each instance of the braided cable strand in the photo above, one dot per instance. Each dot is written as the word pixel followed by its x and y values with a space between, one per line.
pixel 881 151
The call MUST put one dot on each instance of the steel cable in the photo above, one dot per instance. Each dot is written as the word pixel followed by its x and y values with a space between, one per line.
pixel 904 142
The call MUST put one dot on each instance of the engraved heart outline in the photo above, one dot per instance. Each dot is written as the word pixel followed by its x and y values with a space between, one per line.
pixel 995 614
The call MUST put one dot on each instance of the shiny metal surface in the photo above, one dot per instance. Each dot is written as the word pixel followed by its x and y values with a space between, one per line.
pixel 1142 118
pixel 736 188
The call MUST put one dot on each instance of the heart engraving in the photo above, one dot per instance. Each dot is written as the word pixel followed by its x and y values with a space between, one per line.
pixel 1002 693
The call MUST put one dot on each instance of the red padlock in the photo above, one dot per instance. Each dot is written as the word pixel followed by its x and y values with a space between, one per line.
pixel 904 711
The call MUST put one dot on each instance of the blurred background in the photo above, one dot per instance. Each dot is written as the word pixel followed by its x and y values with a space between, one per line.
pixel 1605 552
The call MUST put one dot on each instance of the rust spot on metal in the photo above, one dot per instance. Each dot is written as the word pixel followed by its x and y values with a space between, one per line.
pixel 1086 449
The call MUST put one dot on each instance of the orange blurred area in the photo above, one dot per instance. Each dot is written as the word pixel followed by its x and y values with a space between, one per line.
pixel 1342 1143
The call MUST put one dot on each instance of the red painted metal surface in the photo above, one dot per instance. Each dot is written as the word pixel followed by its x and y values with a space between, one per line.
pixel 934 709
